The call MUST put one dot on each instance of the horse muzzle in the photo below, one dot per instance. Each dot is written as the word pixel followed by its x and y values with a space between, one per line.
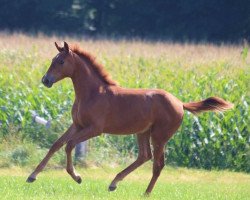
pixel 48 80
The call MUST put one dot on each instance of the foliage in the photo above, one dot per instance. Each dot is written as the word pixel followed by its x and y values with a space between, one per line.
pixel 209 20
pixel 208 141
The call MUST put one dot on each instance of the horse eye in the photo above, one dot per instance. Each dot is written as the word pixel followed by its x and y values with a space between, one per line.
pixel 61 62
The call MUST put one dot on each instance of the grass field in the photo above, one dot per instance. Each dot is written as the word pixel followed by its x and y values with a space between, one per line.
pixel 183 184
pixel 189 71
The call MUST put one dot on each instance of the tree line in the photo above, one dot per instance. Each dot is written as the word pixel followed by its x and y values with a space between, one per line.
pixel 181 20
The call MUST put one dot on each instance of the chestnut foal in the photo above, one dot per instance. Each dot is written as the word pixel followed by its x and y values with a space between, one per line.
pixel 101 106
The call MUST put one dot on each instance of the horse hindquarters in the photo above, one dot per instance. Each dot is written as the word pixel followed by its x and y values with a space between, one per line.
pixel 167 122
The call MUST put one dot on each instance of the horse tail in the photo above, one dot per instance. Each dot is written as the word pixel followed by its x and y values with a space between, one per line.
pixel 209 104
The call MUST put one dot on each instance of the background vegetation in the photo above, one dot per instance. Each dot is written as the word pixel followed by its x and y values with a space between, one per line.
pixel 205 53
pixel 190 72
pixel 210 20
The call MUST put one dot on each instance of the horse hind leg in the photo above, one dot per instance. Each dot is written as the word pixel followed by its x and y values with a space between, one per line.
pixel 158 165
pixel 143 156
pixel 159 137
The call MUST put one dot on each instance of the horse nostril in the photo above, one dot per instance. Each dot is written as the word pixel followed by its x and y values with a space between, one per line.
pixel 45 80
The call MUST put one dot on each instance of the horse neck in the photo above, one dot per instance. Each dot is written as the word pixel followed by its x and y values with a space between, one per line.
pixel 85 81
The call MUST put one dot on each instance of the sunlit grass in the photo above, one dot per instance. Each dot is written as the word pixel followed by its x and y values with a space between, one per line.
pixel 173 184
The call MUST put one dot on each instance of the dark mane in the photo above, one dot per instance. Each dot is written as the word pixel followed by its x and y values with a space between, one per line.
pixel 97 67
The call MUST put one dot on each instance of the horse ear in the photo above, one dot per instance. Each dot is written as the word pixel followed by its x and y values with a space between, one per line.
pixel 60 49
pixel 66 47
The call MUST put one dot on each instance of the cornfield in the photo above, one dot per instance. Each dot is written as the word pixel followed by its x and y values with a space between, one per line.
pixel 188 71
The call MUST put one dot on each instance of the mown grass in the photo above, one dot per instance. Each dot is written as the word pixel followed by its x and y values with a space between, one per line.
pixel 173 184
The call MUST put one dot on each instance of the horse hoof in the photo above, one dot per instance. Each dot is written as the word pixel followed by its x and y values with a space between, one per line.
pixel 112 188
pixel 79 180
pixel 30 180
pixel 147 194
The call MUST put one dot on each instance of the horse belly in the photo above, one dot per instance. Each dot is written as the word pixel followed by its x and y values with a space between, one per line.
pixel 125 129
pixel 128 120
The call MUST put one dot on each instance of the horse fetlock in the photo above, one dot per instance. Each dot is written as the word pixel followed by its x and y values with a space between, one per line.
pixel 147 193
pixel 112 188
pixel 30 179
pixel 146 158
pixel 78 179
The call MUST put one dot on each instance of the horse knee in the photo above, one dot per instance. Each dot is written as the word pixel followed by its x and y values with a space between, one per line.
pixel 69 146
pixel 144 157
pixel 147 158
pixel 149 155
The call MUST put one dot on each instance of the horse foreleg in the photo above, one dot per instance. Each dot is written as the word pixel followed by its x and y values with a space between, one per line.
pixel 70 168
pixel 55 147
pixel 143 156
pixel 78 137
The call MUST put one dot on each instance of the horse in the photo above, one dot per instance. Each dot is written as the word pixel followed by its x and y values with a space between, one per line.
pixel 102 106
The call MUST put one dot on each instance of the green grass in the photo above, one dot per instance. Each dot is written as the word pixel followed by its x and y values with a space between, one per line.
pixel 173 184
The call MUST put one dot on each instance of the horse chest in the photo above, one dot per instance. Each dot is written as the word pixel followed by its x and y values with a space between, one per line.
pixel 79 115
pixel 85 114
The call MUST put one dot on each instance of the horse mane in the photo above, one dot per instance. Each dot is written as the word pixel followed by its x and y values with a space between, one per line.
pixel 97 67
